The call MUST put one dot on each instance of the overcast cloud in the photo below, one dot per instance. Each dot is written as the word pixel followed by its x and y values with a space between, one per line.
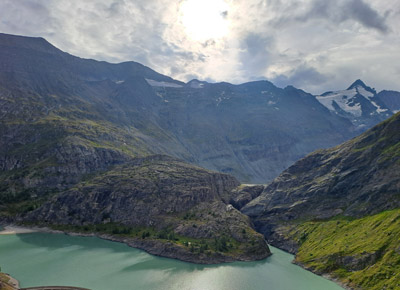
pixel 316 45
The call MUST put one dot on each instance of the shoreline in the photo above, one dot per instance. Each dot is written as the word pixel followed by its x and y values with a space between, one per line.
pixel 325 275
pixel 15 230
pixel 158 248
pixel 10 229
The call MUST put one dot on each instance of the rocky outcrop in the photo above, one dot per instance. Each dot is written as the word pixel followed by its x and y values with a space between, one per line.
pixel 245 193
pixel 8 283
pixel 156 200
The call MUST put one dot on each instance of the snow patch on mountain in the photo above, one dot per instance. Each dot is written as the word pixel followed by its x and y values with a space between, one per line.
pixel 378 108
pixel 154 83
pixel 344 99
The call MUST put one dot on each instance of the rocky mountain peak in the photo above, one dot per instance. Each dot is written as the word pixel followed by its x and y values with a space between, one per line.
pixel 359 83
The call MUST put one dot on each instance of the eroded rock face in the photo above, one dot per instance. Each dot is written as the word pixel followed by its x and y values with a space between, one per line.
pixel 161 194
pixel 357 178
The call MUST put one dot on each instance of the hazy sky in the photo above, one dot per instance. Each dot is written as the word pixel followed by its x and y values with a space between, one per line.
pixel 316 45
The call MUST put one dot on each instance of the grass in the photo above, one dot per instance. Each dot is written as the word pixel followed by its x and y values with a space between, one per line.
pixel 362 252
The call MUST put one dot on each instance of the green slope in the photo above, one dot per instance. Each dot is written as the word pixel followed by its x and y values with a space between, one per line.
pixel 363 253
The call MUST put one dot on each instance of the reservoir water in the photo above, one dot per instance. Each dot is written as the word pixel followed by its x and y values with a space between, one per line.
pixel 39 259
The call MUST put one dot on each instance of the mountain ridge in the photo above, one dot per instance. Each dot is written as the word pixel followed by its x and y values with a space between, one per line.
pixel 157 113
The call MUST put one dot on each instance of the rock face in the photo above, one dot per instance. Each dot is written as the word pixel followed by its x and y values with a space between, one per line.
pixel 357 178
pixel 243 194
pixel 159 200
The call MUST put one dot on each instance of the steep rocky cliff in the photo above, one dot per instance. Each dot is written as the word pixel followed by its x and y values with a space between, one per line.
pixel 357 178
pixel 162 205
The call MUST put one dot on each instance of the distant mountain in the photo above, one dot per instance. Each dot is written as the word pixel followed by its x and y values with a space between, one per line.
pixel 64 117
pixel 359 103
pixel 253 130
pixel 329 198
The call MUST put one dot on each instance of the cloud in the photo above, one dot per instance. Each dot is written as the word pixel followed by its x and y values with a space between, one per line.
pixel 315 45
pixel 301 76
pixel 333 13
pixel 255 54
pixel 364 14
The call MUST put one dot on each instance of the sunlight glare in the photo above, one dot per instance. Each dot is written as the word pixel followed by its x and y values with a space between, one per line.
pixel 205 19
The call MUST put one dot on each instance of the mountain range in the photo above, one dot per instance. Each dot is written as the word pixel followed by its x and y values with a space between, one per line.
pixel 120 150
pixel 63 114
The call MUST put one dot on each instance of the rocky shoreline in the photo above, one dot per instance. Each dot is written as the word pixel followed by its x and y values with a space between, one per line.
pixel 151 246
pixel 167 250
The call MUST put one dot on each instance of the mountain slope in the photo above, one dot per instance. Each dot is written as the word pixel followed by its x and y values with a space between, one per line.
pixel 391 100
pixel 302 208
pixel 253 131
pixel 357 178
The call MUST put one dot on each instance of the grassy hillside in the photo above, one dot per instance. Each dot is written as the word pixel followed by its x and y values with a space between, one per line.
pixel 362 252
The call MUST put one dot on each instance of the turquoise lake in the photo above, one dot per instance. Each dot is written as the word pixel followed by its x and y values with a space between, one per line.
pixel 40 259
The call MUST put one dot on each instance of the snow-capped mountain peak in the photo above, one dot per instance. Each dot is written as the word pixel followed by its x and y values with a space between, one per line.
pixel 359 103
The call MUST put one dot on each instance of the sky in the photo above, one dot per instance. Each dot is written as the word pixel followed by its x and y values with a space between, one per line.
pixel 315 45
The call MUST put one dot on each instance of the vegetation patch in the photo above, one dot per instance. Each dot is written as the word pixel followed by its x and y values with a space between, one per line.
pixel 218 244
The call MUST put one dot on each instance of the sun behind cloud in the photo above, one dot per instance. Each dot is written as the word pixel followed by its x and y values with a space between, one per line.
pixel 204 19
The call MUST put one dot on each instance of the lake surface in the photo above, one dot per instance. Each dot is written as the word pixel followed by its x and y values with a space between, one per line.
pixel 39 259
